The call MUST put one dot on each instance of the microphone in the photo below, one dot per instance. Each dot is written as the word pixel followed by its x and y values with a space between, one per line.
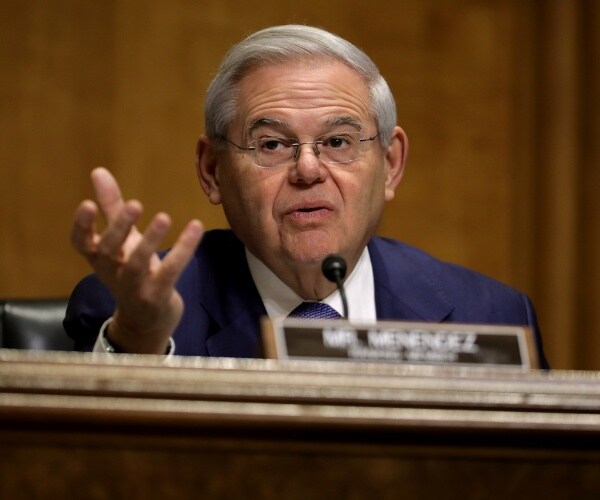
pixel 334 269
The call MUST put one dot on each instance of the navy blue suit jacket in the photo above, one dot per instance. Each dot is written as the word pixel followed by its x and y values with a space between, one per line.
pixel 223 308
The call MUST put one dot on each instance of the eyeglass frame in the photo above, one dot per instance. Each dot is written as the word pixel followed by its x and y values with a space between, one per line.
pixel 297 146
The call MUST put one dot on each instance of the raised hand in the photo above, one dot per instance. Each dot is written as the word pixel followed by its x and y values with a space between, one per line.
pixel 148 306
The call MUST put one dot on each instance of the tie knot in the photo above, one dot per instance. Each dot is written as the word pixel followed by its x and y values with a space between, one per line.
pixel 314 310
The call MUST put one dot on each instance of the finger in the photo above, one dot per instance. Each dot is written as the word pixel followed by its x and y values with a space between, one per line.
pixel 110 246
pixel 83 232
pixel 181 253
pixel 108 193
pixel 139 262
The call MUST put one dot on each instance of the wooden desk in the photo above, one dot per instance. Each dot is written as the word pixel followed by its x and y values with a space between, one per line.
pixel 76 427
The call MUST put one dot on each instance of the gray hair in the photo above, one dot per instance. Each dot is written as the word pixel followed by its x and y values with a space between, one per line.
pixel 282 43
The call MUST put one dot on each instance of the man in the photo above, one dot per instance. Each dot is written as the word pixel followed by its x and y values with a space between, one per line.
pixel 302 150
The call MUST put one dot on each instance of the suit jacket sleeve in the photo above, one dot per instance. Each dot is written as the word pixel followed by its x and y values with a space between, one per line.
pixel 90 305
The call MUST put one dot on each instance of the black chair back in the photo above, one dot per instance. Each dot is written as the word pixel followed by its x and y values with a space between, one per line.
pixel 34 324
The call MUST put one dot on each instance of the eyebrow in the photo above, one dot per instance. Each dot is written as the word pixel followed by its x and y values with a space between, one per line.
pixel 266 122
pixel 344 120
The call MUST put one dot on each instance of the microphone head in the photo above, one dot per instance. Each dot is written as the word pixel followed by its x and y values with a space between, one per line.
pixel 334 267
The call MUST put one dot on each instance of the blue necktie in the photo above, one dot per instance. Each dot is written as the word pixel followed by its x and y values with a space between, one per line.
pixel 314 310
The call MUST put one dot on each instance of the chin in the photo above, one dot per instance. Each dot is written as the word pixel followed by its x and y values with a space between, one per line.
pixel 310 250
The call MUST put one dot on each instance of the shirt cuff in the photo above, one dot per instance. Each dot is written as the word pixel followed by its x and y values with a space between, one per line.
pixel 102 345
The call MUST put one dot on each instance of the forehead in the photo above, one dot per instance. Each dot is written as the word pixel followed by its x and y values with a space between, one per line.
pixel 302 92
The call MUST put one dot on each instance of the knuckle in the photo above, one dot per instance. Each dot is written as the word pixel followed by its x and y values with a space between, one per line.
pixel 135 265
pixel 104 251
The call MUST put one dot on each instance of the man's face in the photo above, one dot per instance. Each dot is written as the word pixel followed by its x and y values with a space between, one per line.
pixel 292 216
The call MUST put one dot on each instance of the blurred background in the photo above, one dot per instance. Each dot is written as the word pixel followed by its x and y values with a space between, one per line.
pixel 500 100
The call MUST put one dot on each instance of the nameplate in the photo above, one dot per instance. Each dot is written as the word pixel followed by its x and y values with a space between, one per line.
pixel 400 342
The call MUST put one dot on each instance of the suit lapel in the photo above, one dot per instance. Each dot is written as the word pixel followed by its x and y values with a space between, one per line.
pixel 239 338
pixel 404 289
pixel 233 303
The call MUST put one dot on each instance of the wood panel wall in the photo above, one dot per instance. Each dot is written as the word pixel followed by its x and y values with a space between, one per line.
pixel 499 99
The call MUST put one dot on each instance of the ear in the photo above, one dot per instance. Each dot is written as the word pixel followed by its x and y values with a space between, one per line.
pixel 207 169
pixel 395 160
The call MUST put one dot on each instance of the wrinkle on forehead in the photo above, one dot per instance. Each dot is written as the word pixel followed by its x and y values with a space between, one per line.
pixel 329 123
pixel 300 91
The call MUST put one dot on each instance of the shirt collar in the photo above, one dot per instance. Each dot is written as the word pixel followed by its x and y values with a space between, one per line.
pixel 280 300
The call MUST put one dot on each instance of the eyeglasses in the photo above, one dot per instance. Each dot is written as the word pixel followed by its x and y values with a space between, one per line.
pixel 334 148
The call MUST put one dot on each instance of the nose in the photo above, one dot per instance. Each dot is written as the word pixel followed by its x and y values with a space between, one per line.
pixel 315 147
pixel 307 168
